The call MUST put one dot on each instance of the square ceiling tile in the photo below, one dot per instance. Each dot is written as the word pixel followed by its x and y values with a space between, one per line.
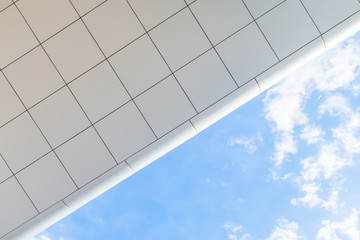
pixel 153 12
pixel 328 13
pixel 21 142
pixel 84 6
pixel 180 39
pixel 259 7
pixel 85 157
pixel 113 25
pixel 4 4
pixel 165 106
pixel 10 105
pixel 15 206
pixel 288 27
pixel 125 132
pixel 99 91
pixel 73 51
pixel 4 170
pixel 18 36
pixel 33 77
pixel 46 182
pixel 47 17
pixel 205 80
pixel 59 117
pixel 246 54
pixel 221 18
pixel 139 66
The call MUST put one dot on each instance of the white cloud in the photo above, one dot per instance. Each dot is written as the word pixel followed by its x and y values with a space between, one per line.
pixel 348 228
pixel 285 231
pixel 286 108
pixel 233 228
pixel 44 237
pixel 326 164
pixel 320 179
pixel 285 103
pixel 283 108
pixel 348 132
pixel 39 237
pixel 315 195
pixel 236 232
pixel 249 143
pixel 339 67
pixel 356 89
pixel 284 145
pixel 333 156
pixel 311 197
pixel 312 134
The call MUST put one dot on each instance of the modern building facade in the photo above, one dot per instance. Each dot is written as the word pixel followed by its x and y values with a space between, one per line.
pixel 92 91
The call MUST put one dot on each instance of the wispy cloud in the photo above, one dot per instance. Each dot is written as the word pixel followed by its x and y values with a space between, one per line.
pixel 285 230
pixel 348 228
pixel 236 232
pixel 348 132
pixel 332 156
pixel 286 102
pixel 44 237
pixel 39 237
pixel 286 107
pixel 249 143
pixel 312 134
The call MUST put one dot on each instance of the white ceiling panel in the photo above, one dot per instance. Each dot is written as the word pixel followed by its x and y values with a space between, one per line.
pixel 73 51
pixel 221 18
pixel 259 7
pixel 165 106
pixel 33 77
pixel 125 131
pixel 4 170
pixel 139 66
pixel 15 206
pixel 4 4
pixel 328 13
pixel 21 142
pixel 288 27
pixel 60 117
pixel 47 17
pixel 46 182
pixel 205 80
pixel 113 32
pixel 18 36
pixel 247 53
pixel 85 157
pixel 10 105
pixel 180 39
pixel 99 91
pixel 151 13
pixel 84 6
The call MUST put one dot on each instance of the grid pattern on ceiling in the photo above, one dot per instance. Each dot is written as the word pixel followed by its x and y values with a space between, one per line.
pixel 84 85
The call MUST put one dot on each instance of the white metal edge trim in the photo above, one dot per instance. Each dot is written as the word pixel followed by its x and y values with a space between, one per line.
pixel 162 146
pixel 289 64
pixel 225 106
pixel 98 186
pixel 342 31
pixel 40 222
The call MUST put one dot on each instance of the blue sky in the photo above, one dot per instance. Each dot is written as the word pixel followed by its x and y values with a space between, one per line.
pixel 283 166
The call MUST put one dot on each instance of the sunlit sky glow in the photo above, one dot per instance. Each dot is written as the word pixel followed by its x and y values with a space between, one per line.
pixel 284 166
